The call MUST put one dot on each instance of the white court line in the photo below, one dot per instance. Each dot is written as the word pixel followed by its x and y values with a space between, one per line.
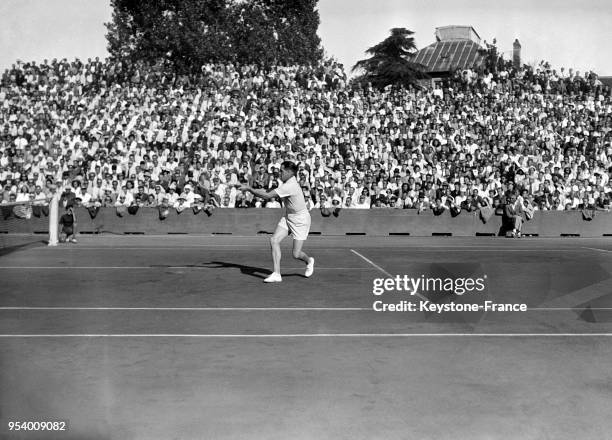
pixel 423 248
pixel 194 246
pixel 553 309
pixel 309 335
pixel 367 260
pixel 597 249
pixel 162 267
pixel 417 294
pixel 242 309
pixel 223 236
pixel 470 249
pixel 196 309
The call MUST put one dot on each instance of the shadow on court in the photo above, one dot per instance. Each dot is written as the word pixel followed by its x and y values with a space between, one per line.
pixel 6 249
pixel 253 271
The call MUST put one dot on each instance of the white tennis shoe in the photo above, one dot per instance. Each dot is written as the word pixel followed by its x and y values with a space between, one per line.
pixel 274 277
pixel 309 268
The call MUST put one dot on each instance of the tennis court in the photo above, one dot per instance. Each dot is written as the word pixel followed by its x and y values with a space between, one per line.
pixel 176 337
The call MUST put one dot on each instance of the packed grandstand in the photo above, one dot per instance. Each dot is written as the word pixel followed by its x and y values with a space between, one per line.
pixel 115 135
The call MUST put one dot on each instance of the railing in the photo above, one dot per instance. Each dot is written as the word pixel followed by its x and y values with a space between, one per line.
pixel 381 222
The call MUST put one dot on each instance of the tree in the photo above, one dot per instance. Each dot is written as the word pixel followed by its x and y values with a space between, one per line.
pixel 391 61
pixel 192 32
pixel 277 31
pixel 297 32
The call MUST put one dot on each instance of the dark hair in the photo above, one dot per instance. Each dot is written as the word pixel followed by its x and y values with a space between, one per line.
pixel 288 165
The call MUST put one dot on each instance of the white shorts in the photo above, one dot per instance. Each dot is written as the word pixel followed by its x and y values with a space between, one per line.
pixel 297 224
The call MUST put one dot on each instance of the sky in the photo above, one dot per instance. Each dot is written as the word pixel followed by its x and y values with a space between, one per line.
pixel 568 33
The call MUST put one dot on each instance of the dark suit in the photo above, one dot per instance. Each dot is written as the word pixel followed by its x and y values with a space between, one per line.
pixel 513 215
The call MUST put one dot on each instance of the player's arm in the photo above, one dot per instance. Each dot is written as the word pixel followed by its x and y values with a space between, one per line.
pixel 262 193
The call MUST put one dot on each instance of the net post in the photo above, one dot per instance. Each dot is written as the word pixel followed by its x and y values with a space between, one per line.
pixel 53 219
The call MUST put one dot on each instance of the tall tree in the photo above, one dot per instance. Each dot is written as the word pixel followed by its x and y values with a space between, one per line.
pixel 297 30
pixel 192 32
pixel 277 31
pixel 391 61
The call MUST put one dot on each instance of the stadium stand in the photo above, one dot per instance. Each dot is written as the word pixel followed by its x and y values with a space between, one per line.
pixel 130 136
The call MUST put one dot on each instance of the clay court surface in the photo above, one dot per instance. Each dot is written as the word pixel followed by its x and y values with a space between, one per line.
pixel 176 337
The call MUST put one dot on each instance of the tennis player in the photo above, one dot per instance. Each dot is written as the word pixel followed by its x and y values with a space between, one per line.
pixel 296 220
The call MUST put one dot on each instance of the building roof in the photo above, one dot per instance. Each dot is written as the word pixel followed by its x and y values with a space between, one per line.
pixel 457 32
pixel 444 56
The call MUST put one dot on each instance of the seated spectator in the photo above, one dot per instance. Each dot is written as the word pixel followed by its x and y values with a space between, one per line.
pixel 438 207
pixel 527 207
pixel 150 201
pixel 513 215
pixel 404 201
pixel 602 203
pixel 242 201
pixel 453 208
pixel 121 201
pixel 422 203
pixel 348 202
pixel 164 208
pixel 188 195
pixel 380 203
pixel 181 204
pixel 362 203
pixel 273 203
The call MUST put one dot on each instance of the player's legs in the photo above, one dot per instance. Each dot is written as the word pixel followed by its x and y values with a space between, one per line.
pixel 298 254
pixel 299 225
pixel 275 241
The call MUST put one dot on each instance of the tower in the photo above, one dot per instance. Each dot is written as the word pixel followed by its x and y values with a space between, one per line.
pixel 516 54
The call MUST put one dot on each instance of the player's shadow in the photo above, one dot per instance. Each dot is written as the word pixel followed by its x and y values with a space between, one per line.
pixel 253 271
pixel 9 249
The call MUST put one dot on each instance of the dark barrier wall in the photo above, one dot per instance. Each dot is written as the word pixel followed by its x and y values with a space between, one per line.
pixel 370 222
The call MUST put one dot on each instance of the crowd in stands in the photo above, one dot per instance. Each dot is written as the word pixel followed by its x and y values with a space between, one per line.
pixel 111 134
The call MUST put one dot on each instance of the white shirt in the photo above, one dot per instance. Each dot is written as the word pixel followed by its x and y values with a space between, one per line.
pixel 292 196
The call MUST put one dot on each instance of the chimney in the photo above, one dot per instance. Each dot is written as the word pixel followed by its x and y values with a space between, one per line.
pixel 516 54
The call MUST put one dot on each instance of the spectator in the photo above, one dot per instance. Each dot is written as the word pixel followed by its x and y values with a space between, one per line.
pixel 181 204
pixel 531 130
pixel 439 207
pixel 513 215
pixel 68 223
pixel 273 203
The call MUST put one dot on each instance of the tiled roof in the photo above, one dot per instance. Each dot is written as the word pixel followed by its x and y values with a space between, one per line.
pixel 444 56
